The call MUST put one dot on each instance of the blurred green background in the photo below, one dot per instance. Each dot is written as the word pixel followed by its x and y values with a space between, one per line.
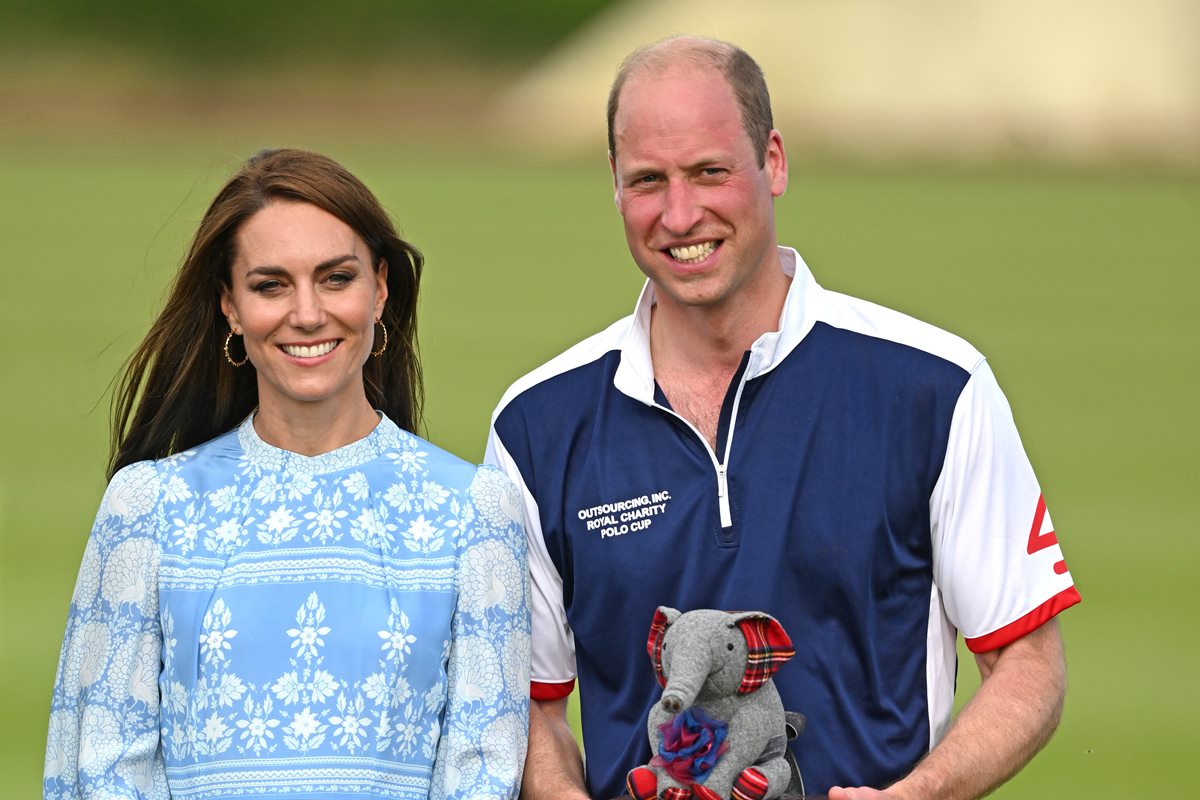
pixel 118 123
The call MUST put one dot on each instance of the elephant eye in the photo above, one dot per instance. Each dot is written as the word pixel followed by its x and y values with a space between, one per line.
pixel 729 646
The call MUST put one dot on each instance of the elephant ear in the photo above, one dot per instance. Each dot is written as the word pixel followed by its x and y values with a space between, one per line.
pixel 663 617
pixel 768 647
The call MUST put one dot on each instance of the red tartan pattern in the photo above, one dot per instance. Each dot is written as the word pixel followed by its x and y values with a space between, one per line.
pixel 676 793
pixel 768 648
pixel 658 630
pixel 642 783
pixel 750 785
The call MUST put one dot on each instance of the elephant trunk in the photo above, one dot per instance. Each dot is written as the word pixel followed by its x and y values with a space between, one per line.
pixel 681 691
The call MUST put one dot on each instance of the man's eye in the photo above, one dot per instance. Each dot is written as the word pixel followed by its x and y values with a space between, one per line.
pixel 646 179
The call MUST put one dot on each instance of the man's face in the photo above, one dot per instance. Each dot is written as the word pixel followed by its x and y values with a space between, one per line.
pixel 698 209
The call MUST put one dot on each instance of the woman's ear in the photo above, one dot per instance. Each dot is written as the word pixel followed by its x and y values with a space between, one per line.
pixel 768 648
pixel 230 312
pixel 663 617
pixel 381 287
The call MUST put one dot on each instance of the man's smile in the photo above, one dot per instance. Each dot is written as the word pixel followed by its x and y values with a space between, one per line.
pixel 694 253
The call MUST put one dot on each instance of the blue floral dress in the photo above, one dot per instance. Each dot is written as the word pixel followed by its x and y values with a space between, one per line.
pixel 254 623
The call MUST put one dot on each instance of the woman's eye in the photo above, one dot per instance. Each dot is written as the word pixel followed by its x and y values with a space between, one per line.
pixel 340 278
pixel 265 287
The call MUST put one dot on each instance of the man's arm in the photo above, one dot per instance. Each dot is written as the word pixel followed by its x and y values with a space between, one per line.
pixel 1009 719
pixel 553 765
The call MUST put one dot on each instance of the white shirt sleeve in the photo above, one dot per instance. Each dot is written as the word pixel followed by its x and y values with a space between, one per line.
pixel 996 559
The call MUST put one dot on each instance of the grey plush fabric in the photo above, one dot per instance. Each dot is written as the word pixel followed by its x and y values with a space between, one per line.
pixel 704 658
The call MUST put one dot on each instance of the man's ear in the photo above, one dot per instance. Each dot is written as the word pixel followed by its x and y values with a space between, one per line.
pixel 775 163
pixel 612 166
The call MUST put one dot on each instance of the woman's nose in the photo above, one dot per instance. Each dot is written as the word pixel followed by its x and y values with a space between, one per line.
pixel 307 312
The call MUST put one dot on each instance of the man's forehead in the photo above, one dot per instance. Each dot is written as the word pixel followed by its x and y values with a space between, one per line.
pixel 672 110
pixel 663 96
pixel 651 76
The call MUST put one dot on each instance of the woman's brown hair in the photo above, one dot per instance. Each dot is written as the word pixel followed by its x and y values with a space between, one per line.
pixel 177 390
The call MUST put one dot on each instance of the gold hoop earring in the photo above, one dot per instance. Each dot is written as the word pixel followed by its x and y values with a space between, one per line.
pixel 382 347
pixel 228 357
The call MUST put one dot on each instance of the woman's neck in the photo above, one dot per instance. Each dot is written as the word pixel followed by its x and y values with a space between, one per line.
pixel 311 429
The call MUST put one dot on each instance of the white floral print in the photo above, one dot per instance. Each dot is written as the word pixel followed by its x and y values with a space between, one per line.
pixel 422 536
pixel 257 726
pixel 238 603
pixel 215 639
pixel 397 641
pixel 308 637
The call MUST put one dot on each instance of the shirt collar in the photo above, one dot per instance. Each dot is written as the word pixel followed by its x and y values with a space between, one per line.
pixel 386 437
pixel 635 374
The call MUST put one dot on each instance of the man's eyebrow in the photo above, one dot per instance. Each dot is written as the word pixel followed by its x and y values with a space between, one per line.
pixel 639 172
pixel 634 173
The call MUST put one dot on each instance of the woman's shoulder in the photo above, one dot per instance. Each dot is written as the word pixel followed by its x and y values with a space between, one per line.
pixel 219 446
pixel 416 454
pixel 133 491
pixel 136 488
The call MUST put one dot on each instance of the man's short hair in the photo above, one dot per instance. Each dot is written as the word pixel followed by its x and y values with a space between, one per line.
pixel 741 72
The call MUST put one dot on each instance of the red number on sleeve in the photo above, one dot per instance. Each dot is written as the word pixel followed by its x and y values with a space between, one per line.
pixel 1040 541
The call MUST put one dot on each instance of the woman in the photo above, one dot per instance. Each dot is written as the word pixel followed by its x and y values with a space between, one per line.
pixel 287 593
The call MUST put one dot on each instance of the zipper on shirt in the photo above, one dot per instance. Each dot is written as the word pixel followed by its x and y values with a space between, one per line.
pixel 720 466
pixel 723 497
pixel 723 468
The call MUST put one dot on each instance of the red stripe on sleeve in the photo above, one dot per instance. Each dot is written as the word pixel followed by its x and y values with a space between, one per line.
pixel 550 691
pixel 1026 624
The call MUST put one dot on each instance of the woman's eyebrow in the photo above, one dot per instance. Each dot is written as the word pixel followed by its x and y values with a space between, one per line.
pixel 273 269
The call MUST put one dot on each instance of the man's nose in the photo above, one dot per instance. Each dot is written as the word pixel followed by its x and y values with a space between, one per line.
pixel 307 311
pixel 681 210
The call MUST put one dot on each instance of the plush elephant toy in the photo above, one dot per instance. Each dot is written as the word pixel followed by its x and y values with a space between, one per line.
pixel 720 730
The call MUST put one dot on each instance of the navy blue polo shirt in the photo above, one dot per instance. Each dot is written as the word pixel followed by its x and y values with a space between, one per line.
pixel 868 490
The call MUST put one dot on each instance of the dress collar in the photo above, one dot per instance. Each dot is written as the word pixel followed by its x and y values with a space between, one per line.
pixel 386 437
pixel 635 374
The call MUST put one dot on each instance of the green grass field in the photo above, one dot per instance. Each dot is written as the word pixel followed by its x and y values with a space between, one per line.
pixel 1079 287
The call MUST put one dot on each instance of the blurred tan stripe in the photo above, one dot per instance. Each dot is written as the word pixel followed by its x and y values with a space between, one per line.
pixel 1062 80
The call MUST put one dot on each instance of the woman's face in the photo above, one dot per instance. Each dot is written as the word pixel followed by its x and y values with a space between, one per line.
pixel 304 295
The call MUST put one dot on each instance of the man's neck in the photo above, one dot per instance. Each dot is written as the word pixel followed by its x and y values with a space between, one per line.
pixel 713 338
pixel 697 351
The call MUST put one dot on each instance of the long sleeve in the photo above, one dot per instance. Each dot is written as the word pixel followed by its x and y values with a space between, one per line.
pixel 481 751
pixel 553 658
pixel 103 739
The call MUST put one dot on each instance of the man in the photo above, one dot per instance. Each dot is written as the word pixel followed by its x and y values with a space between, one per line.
pixel 749 440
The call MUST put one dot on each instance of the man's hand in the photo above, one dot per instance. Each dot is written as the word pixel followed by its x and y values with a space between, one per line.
pixel 859 793
pixel 553 765
pixel 1010 718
